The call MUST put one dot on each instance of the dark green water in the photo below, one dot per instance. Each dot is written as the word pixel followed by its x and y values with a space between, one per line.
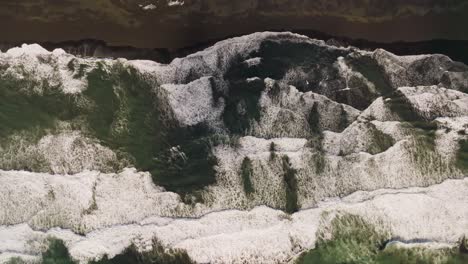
pixel 355 241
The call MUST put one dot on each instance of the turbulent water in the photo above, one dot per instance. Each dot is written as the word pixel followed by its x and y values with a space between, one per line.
pixel 252 150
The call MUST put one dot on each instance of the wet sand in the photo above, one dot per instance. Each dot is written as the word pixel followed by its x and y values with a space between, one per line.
pixel 191 30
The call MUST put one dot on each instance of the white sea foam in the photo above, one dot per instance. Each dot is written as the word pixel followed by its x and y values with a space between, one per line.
pixel 437 213
pixel 175 3
pixel 116 209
